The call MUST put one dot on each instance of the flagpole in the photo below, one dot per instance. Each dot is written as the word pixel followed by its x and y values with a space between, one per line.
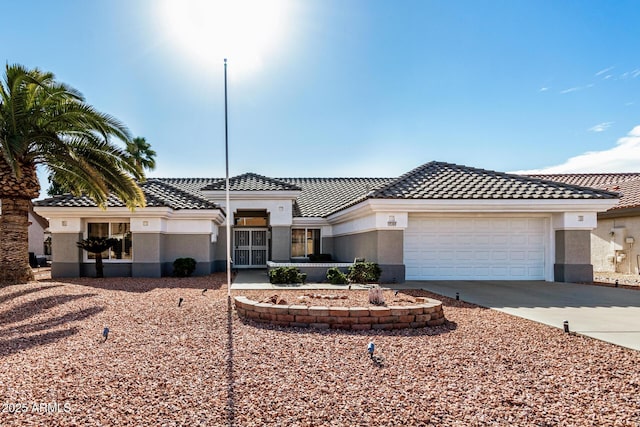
pixel 226 156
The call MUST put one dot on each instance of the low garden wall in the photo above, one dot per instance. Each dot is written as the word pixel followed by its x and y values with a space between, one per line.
pixel 426 312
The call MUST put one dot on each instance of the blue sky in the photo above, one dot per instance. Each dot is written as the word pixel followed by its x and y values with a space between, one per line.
pixel 351 88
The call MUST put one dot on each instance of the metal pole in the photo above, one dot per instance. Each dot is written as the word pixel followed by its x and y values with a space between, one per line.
pixel 226 156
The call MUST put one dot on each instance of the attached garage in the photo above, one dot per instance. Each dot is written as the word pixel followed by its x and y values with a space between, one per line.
pixel 472 248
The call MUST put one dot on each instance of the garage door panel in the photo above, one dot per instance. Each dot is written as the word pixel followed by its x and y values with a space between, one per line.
pixel 475 248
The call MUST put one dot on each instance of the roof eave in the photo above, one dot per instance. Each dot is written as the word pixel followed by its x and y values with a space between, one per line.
pixel 474 205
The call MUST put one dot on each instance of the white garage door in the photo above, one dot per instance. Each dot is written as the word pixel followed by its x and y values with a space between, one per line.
pixel 474 248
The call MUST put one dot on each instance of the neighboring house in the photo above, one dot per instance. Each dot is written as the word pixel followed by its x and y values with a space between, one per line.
pixel 37 234
pixel 615 243
pixel 439 221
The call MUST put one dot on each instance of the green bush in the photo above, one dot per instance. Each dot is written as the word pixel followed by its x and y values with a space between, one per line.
pixel 285 275
pixel 336 277
pixel 364 272
pixel 184 267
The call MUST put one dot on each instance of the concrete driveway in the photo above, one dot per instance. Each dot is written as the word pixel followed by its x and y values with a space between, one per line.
pixel 608 314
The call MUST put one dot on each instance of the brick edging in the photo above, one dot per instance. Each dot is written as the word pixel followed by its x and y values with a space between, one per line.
pixel 428 312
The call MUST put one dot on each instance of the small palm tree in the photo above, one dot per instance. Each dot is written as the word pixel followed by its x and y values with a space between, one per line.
pixel 96 246
pixel 44 122
pixel 141 154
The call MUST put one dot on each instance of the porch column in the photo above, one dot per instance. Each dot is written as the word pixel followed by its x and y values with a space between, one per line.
pixel 66 257
pixel 280 244
pixel 147 249
pixel 573 256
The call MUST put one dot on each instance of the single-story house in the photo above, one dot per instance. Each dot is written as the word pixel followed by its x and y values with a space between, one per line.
pixel 615 243
pixel 38 243
pixel 439 221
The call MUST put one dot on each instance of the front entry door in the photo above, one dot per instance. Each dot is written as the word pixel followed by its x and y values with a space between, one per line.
pixel 250 247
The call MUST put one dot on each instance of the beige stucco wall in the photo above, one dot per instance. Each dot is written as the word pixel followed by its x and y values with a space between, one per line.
pixel 280 244
pixel 66 256
pixel 36 236
pixel 603 247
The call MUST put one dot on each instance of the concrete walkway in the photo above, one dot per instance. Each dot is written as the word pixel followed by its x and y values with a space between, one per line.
pixel 604 313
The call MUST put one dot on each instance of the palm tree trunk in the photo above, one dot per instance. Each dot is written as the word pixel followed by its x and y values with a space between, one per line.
pixel 14 241
pixel 99 266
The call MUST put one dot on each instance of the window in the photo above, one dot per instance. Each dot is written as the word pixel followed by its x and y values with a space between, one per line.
pixel 121 231
pixel 305 242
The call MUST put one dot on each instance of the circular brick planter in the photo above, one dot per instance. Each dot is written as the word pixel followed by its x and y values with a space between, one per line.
pixel 427 312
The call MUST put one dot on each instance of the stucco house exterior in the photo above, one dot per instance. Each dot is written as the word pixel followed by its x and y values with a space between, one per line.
pixel 439 221
pixel 615 243
pixel 37 235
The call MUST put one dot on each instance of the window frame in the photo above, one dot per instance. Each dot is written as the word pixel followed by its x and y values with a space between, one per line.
pixel 306 231
pixel 108 259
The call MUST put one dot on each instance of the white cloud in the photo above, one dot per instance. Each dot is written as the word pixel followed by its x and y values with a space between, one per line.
pixel 571 89
pixel 623 157
pixel 543 89
pixel 606 70
pixel 600 127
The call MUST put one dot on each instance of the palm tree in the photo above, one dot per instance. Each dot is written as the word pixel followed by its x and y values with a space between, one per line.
pixel 44 122
pixel 96 246
pixel 141 154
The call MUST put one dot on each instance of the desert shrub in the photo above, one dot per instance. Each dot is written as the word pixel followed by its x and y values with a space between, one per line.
pixel 336 277
pixel 364 272
pixel 284 275
pixel 184 267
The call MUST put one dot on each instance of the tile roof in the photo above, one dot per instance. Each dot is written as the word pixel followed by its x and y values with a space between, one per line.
pixel 438 180
pixel 174 193
pixel 595 180
pixel 251 182
pixel 626 184
pixel 320 197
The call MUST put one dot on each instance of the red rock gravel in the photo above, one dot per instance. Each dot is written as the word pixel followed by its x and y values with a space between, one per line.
pixel 198 364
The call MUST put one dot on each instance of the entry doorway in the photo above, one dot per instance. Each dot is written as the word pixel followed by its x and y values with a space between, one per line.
pixel 250 247
pixel 250 238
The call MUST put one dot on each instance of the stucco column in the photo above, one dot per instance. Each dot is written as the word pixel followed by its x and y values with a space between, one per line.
pixel 66 257
pixel 147 250
pixel 280 244
pixel 573 256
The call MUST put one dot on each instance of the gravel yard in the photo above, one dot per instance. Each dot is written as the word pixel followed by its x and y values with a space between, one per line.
pixel 198 364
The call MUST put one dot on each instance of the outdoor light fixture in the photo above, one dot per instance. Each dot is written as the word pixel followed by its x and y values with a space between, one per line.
pixel 105 333
pixel 180 301
pixel 566 326
pixel 457 296
pixel 392 221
